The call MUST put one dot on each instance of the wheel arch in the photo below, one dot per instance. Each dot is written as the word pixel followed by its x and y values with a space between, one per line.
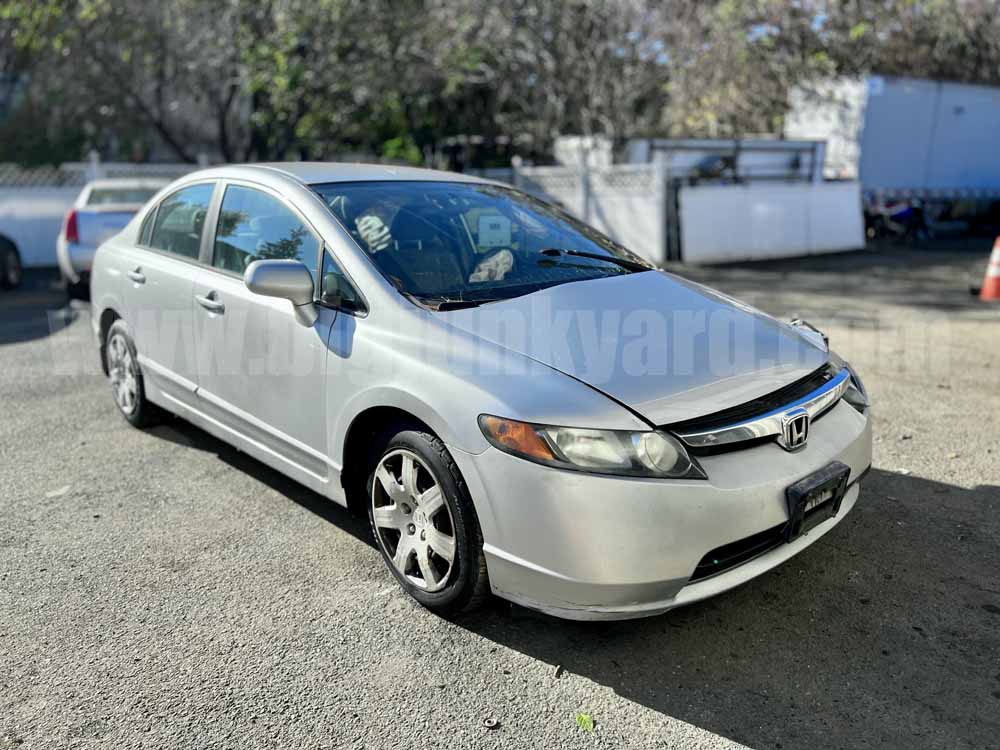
pixel 356 452
pixel 6 239
pixel 108 317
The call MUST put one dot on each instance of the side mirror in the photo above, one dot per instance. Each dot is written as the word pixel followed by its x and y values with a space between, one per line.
pixel 287 279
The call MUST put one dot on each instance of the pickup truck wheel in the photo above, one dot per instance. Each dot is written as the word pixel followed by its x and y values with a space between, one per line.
pixel 78 290
pixel 11 271
pixel 425 524
pixel 127 385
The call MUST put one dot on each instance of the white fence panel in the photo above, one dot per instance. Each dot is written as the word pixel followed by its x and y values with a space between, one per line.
pixel 560 185
pixel 627 203
pixel 32 218
pixel 836 220
pixel 624 201
pixel 758 221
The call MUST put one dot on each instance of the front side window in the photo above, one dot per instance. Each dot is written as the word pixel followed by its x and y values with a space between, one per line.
pixel 445 242
pixel 336 290
pixel 180 220
pixel 256 226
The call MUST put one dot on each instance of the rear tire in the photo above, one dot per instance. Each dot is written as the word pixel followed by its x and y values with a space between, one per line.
pixel 78 290
pixel 421 517
pixel 127 385
pixel 11 270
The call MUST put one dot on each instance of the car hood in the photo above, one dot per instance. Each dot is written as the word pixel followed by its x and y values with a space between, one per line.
pixel 667 348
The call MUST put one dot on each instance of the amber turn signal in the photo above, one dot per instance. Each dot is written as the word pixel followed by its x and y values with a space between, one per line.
pixel 518 437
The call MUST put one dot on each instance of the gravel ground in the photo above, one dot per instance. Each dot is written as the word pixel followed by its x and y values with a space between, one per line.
pixel 159 589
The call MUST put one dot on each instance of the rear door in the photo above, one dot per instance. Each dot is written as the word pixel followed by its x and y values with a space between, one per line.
pixel 159 292
pixel 262 374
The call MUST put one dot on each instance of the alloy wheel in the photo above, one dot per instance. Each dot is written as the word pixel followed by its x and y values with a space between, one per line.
pixel 412 520
pixel 124 374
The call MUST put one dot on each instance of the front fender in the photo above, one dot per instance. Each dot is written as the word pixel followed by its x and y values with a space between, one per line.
pixel 447 378
pixel 398 398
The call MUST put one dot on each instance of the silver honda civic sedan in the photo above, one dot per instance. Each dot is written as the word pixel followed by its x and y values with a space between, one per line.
pixel 519 405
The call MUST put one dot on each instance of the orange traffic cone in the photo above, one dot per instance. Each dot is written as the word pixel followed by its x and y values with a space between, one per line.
pixel 991 282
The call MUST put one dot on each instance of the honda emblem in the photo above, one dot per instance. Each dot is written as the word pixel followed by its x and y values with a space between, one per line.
pixel 794 430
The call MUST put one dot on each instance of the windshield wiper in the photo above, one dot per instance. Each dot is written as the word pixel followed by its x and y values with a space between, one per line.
pixel 623 262
pixel 441 304
pixel 460 304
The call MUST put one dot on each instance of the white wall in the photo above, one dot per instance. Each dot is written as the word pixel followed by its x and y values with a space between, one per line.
pixel 32 218
pixel 757 221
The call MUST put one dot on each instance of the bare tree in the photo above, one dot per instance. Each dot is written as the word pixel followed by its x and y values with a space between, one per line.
pixel 273 79
pixel 564 66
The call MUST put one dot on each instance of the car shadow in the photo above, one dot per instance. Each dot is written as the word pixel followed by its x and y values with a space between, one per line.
pixel 886 633
pixel 181 432
pixel 35 309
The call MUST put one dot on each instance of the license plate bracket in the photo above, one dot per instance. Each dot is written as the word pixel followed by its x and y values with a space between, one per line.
pixel 815 498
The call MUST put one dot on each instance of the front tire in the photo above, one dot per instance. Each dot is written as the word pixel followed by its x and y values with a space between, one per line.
pixel 127 384
pixel 78 290
pixel 425 524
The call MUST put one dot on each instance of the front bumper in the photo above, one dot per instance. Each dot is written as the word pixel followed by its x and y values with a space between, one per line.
pixel 583 546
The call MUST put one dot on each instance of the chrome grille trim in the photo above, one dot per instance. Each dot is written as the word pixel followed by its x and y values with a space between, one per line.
pixel 769 424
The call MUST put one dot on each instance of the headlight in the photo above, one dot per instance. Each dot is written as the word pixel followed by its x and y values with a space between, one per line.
pixel 638 454
pixel 855 395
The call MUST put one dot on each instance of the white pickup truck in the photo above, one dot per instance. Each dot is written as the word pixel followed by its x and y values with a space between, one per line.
pixel 101 210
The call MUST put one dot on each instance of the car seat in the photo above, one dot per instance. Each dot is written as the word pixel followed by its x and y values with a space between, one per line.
pixel 423 250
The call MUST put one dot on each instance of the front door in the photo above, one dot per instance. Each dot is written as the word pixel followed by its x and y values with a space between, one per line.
pixel 262 373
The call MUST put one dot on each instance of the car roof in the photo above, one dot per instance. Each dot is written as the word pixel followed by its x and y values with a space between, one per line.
pixel 318 172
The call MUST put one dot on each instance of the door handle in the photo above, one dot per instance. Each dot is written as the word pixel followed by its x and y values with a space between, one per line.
pixel 210 303
pixel 137 276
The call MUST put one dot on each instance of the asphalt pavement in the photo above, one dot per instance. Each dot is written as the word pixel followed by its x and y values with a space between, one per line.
pixel 160 590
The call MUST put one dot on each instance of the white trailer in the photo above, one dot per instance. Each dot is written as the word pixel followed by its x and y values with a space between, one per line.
pixel 904 137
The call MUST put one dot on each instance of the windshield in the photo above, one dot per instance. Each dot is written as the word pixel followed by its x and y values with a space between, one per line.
pixel 445 242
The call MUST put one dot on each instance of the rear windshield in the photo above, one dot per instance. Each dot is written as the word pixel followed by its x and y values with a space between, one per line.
pixel 466 242
pixel 108 195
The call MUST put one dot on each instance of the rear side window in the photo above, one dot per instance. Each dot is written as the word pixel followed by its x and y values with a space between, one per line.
pixel 147 228
pixel 256 226
pixel 180 219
